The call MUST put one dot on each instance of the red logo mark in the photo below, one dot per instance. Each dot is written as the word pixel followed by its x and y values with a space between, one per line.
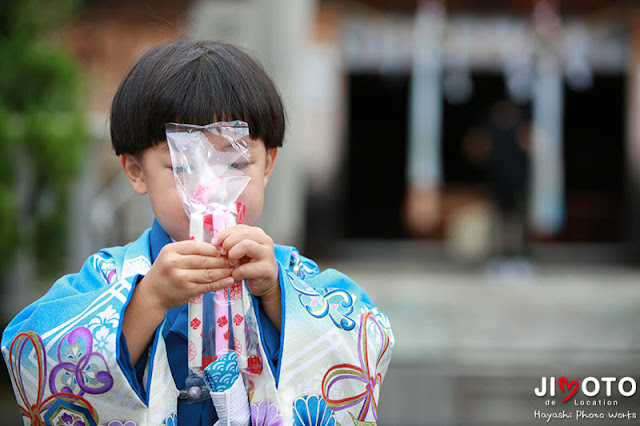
pixel 195 323
pixel 238 319
pixel 570 386
pixel 222 321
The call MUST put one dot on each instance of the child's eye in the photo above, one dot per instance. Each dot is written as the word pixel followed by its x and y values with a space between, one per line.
pixel 180 169
pixel 239 165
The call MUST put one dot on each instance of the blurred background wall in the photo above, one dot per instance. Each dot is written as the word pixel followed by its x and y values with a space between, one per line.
pixel 409 123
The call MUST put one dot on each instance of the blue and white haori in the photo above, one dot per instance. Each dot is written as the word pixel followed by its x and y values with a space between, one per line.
pixel 63 351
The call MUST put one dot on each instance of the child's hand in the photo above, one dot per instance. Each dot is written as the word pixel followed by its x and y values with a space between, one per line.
pixel 250 251
pixel 183 270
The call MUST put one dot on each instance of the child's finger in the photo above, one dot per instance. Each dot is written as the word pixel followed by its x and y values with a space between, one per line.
pixel 207 276
pixel 247 248
pixel 194 261
pixel 224 234
pixel 248 270
pixel 212 286
pixel 194 247
pixel 220 284
pixel 231 236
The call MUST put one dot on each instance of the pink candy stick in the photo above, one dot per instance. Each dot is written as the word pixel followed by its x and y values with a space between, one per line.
pixel 222 321
pixel 220 297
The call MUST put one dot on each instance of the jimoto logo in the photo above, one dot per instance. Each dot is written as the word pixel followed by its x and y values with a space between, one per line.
pixel 595 398
pixel 589 387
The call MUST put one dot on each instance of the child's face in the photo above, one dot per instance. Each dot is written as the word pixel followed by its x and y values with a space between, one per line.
pixel 152 173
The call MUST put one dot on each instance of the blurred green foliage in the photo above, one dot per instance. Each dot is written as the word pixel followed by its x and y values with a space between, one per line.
pixel 42 128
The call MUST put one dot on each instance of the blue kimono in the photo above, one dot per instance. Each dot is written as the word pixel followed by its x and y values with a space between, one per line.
pixel 69 363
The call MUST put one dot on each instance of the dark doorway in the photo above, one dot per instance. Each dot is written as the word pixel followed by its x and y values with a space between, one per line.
pixel 458 119
pixel 594 146
pixel 377 138
pixel 594 123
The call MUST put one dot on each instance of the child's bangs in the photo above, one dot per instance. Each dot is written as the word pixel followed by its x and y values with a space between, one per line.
pixel 209 94
pixel 194 83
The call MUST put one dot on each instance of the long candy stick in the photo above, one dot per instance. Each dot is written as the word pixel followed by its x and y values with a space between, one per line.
pixel 236 297
pixel 237 321
pixel 196 317
pixel 220 297
pixel 199 221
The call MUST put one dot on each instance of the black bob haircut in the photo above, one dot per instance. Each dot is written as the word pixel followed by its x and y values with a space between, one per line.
pixel 194 82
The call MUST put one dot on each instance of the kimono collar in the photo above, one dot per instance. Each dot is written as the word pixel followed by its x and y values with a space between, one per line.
pixel 158 238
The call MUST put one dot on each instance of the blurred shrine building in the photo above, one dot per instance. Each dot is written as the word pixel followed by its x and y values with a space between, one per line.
pixel 421 75
pixel 381 96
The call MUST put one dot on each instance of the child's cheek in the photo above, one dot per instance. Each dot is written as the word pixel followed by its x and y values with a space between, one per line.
pixel 252 200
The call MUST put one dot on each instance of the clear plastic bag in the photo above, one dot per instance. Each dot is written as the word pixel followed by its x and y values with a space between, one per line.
pixel 208 163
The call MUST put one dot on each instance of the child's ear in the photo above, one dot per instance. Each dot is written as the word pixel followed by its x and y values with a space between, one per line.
pixel 132 168
pixel 272 153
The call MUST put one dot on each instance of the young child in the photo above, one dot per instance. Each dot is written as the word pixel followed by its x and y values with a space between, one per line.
pixel 108 345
